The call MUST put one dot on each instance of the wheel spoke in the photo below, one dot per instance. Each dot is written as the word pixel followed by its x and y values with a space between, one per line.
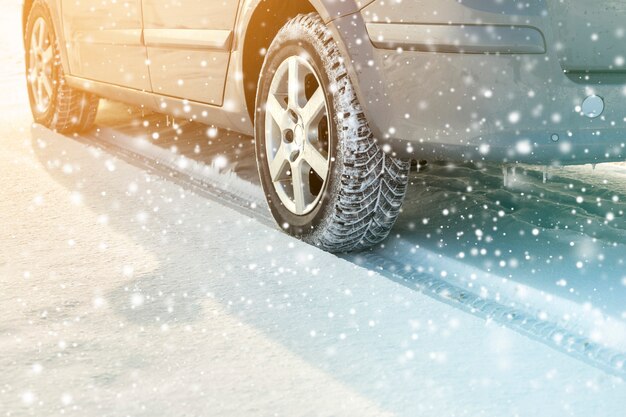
pixel 316 160
pixel 298 187
pixel 32 62
pixel 41 35
pixel 32 76
pixel 295 82
pixel 45 80
pixel 314 107
pixel 278 164
pixel 47 55
pixel 39 93
pixel 33 44
pixel 276 110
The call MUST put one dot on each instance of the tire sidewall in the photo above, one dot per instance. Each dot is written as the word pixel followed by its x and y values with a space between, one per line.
pixel 304 225
pixel 39 10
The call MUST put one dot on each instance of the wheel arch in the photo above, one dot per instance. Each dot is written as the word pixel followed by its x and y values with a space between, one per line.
pixel 260 22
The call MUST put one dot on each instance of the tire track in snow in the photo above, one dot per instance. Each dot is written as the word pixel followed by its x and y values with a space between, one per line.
pixel 583 348
pixel 247 198
pixel 206 180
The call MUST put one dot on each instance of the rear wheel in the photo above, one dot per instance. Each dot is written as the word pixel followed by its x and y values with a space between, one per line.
pixel 53 103
pixel 326 179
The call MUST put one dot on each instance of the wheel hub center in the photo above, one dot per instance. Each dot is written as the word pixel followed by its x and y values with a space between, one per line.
pixel 298 133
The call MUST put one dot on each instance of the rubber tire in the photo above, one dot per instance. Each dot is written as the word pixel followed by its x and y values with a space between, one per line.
pixel 366 187
pixel 70 110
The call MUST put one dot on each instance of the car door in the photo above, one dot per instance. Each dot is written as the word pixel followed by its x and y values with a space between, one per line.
pixel 189 44
pixel 105 43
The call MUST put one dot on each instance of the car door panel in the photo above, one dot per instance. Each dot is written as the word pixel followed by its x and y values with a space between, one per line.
pixel 104 42
pixel 188 45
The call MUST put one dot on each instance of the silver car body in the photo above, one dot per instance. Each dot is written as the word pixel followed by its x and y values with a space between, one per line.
pixel 540 82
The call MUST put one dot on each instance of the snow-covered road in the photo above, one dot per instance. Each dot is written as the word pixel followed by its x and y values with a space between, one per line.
pixel 140 275
pixel 126 294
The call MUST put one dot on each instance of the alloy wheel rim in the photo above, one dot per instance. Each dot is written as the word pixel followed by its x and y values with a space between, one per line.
pixel 41 65
pixel 297 135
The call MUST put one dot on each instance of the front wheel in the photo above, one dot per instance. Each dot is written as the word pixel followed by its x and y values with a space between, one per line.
pixel 326 179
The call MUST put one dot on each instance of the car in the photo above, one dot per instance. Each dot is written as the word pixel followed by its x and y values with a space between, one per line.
pixel 342 95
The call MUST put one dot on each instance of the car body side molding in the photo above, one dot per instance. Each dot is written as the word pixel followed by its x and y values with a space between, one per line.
pixel 469 39
pixel 189 38
pixel 110 37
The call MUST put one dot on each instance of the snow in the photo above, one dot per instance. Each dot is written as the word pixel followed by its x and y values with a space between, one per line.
pixel 139 277
pixel 202 310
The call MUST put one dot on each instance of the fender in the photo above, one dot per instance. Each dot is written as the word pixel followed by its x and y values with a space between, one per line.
pixel 349 29
pixel 365 72
pixel 328 9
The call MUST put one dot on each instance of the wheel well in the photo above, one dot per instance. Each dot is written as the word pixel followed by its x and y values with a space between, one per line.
pixel 266 21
